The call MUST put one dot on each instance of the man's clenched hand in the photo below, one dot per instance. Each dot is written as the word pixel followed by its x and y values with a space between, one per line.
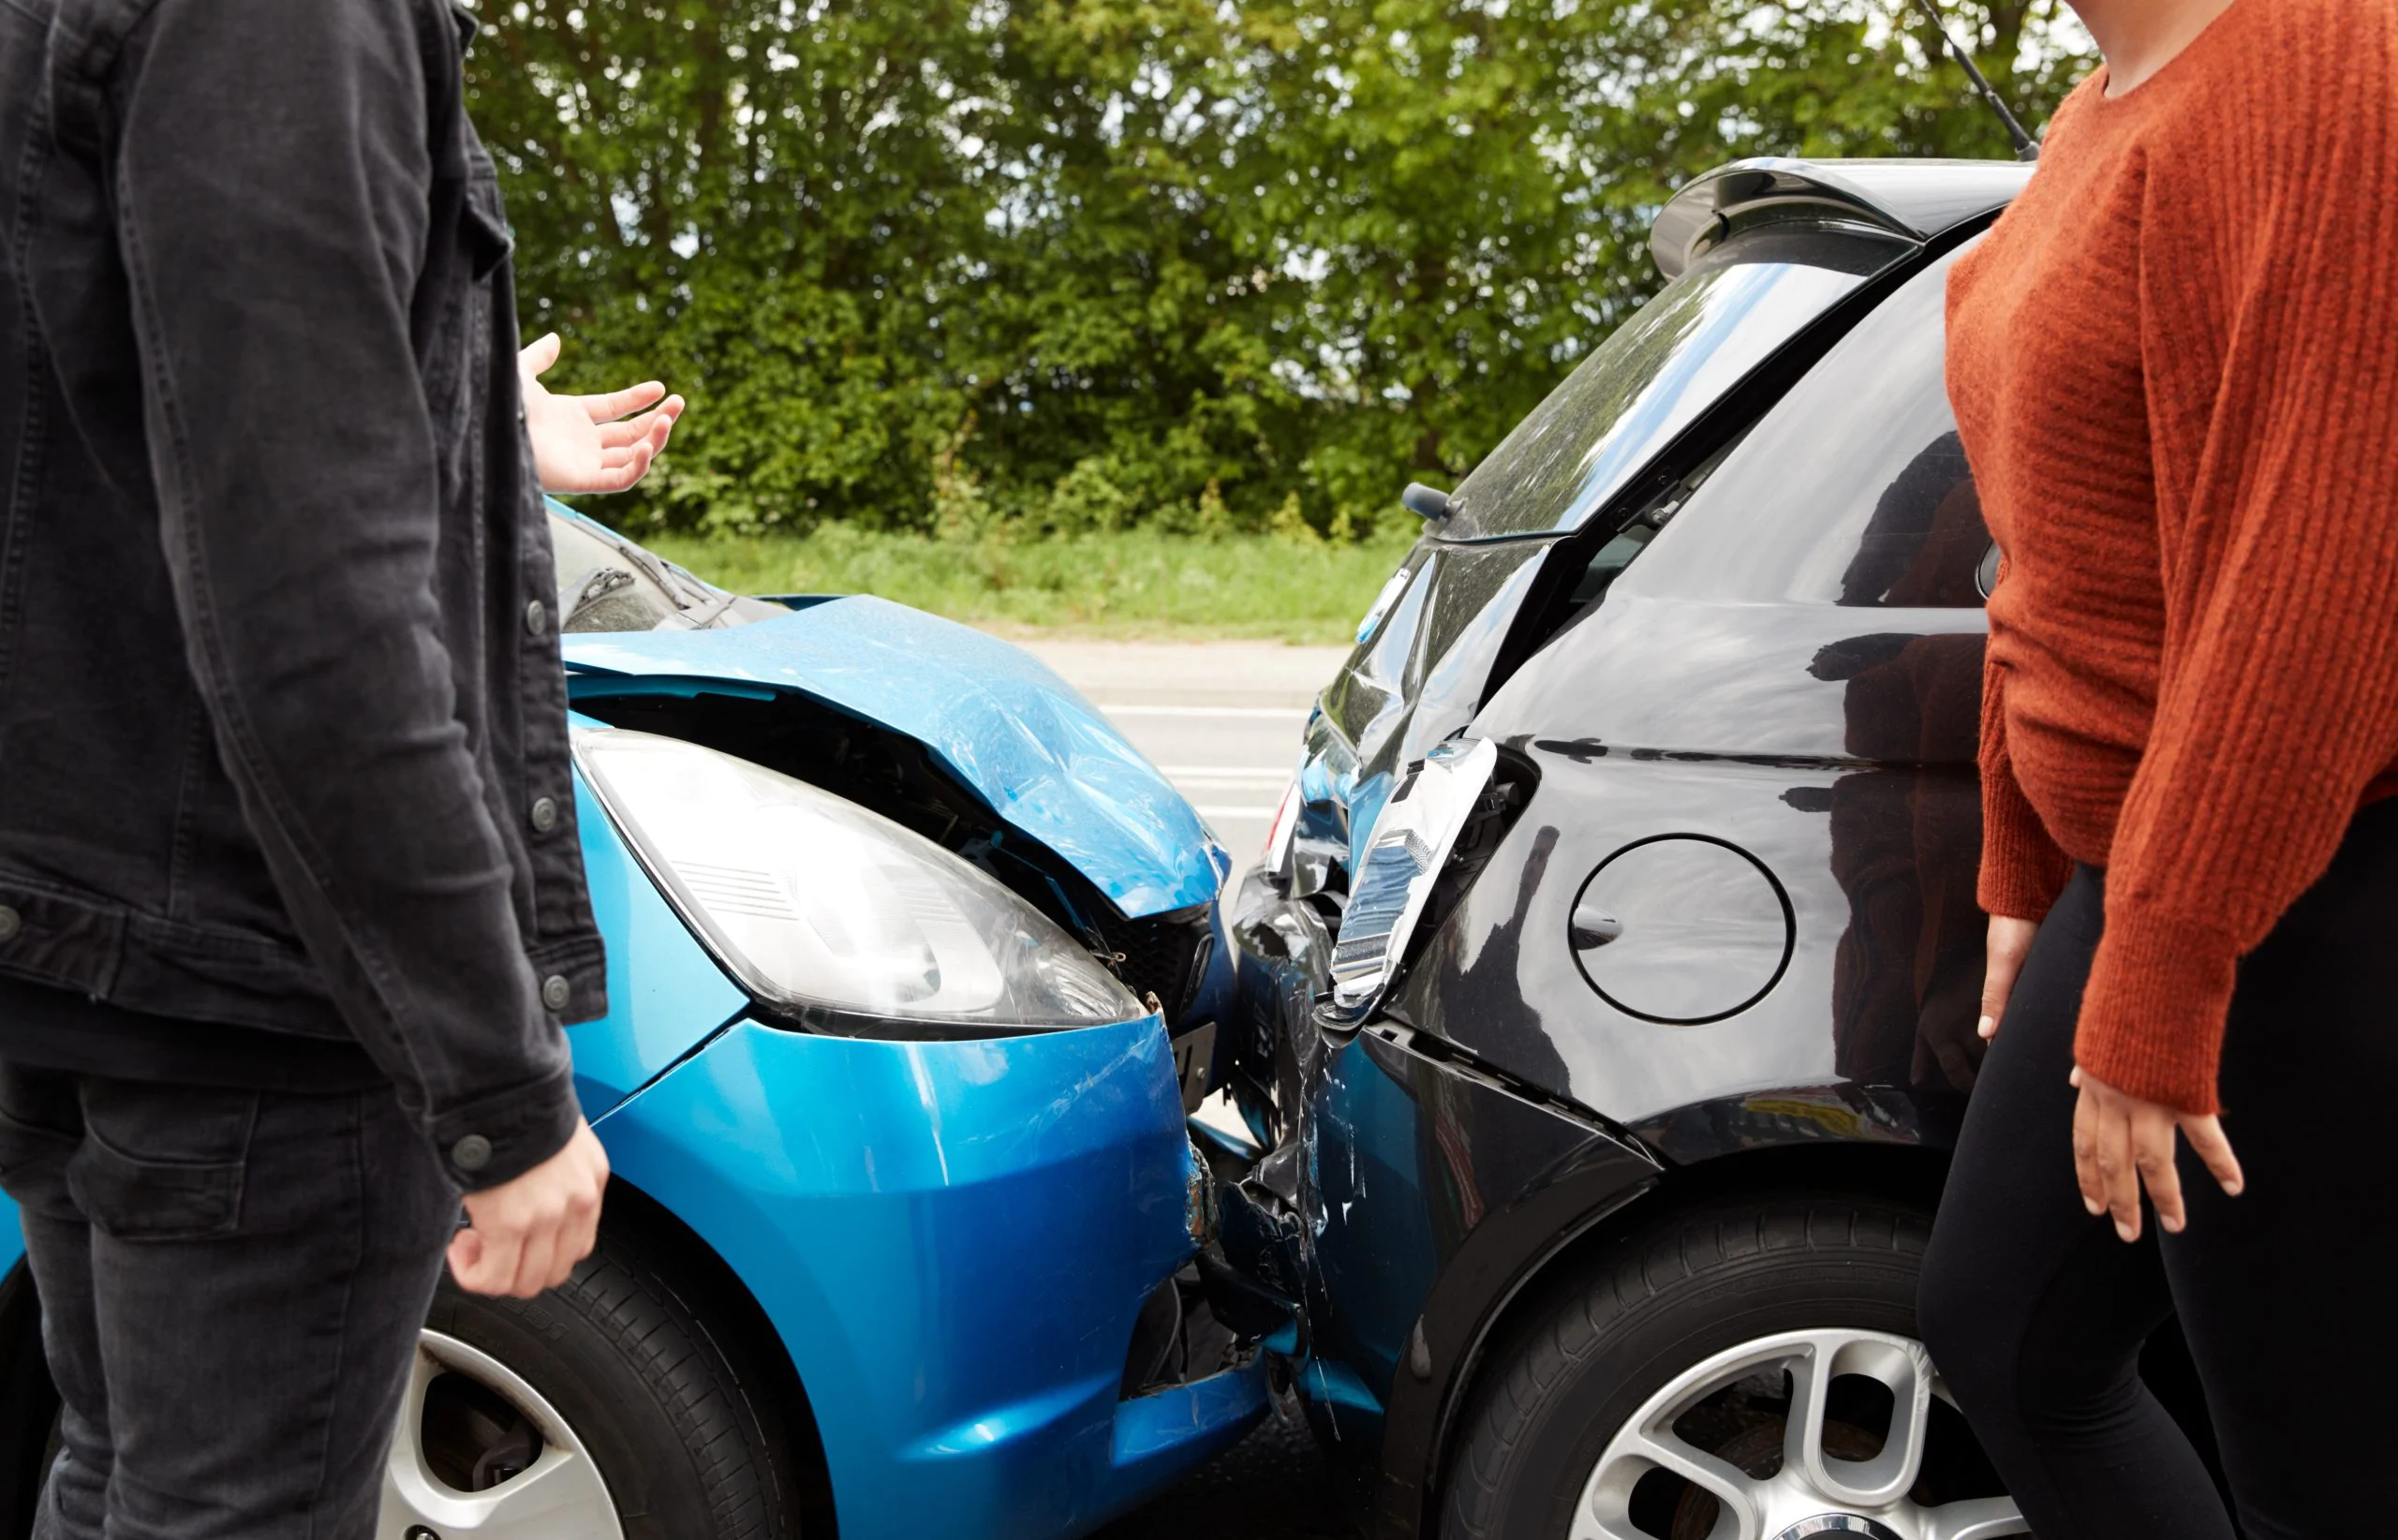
pixel 526 1235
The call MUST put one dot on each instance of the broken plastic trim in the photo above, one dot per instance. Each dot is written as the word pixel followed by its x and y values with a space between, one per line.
pixel 1204 1319
pixel 1410 844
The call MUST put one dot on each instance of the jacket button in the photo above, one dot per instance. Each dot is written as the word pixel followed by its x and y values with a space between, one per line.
pixel 471 1153
pixel 10 922
pixel 544 815
pixel 536 618
pixel 554 992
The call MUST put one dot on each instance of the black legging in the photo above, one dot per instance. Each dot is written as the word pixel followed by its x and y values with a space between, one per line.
pixel 2036 1313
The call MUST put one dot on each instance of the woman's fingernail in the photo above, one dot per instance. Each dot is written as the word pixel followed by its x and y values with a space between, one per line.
pixel 2232 1189
pixel 2124 1230
pixel 1987 1026
pixel 2095 1206
pixel 2172 1224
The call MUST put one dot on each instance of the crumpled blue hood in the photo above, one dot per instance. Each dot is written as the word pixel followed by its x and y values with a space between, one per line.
pixel 1022 739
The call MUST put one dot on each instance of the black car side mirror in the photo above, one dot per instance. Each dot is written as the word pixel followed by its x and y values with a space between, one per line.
pixel 1425 502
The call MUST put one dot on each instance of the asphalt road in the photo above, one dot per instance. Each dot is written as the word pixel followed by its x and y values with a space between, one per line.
pixel 1223 720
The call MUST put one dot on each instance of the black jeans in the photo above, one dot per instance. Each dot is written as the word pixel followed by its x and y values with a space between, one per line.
pixel 2036 1313
pixel 231 1285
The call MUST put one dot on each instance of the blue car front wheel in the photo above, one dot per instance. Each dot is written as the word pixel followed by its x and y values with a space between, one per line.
pixel 605 1408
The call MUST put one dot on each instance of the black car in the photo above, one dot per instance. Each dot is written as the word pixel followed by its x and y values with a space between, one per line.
pixel 1608 997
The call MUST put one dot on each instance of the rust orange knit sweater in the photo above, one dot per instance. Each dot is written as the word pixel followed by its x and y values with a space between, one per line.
pixel 2174 362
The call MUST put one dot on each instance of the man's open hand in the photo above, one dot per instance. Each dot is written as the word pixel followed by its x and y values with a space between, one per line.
pixel 528 1235
pixel 579 443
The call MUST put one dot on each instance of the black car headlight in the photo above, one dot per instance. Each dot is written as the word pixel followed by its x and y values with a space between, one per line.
pixel 833 915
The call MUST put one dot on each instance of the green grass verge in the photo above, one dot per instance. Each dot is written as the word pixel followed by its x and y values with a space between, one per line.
pixel 1129 585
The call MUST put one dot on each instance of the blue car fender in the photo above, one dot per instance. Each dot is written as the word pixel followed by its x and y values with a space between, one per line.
pixel 665 993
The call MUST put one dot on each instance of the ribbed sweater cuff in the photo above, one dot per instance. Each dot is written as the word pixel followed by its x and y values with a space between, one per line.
pixel 2023 870
pixel 2153 1011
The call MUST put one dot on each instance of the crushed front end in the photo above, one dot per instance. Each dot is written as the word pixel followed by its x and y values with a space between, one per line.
pixel 968 945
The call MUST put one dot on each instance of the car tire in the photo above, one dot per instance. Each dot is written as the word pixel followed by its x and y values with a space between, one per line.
pixel 645 1372
pixel 1561 1390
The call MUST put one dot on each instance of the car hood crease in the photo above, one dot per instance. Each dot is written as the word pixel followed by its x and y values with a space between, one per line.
pixel 1044 760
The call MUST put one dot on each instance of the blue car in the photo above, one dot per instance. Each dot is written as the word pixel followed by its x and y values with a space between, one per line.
pixel 916 966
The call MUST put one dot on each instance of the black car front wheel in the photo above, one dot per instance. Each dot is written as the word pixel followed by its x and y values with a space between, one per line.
pixel 1747 1371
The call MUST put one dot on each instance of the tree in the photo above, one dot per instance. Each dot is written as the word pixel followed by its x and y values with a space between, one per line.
pixel 1073 263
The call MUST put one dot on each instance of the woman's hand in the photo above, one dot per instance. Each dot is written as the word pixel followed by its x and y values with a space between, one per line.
pixel 2119 1141
pixel 578 443
pixel 2009 940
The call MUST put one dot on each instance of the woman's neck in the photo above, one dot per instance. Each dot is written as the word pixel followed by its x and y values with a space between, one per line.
pixel 2139 38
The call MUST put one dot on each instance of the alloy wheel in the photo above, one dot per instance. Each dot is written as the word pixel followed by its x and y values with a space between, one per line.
pixel 1788 1437
pixel 481 1453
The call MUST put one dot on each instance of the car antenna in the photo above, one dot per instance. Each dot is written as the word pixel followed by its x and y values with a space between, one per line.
pixel 2026 148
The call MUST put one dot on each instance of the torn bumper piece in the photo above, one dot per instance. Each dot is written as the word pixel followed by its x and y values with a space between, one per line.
pixel 1254 1276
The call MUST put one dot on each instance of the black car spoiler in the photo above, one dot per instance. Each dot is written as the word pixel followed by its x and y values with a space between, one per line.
pixel 1915 200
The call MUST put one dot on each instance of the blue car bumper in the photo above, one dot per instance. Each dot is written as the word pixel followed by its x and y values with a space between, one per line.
pixel 953 1241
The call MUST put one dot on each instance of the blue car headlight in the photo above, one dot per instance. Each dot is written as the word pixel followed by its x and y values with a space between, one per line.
pixel 835 916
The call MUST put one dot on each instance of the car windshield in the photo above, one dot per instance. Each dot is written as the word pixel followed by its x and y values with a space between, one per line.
pixel 608 583
pixel 1677 354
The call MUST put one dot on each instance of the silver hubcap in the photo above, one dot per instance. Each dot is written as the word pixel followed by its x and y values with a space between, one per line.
pixel 1821 1476
pixel 478 1452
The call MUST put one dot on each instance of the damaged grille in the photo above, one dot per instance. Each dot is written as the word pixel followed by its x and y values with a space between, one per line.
pixel 1164 954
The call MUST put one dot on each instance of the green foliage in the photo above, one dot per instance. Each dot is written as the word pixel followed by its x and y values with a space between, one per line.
pixel 1136 582
pixel 1072 266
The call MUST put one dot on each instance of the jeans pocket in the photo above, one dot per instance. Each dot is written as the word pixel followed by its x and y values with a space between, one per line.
pixel 32 1165
pixel 162 1162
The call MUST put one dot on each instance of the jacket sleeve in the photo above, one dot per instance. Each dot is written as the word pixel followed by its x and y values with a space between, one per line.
pixel 272 182
pixel 2278 687
pixel 2023 870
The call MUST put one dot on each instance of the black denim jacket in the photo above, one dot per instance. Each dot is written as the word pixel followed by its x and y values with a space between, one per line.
pixel 282 726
